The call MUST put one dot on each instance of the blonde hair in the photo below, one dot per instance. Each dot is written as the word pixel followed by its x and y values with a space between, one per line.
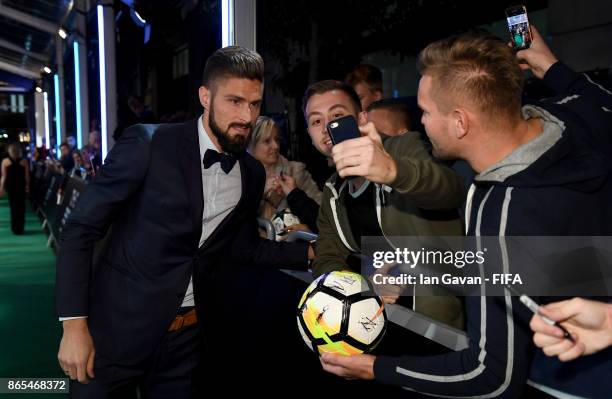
pixel 262 130
pixel 475 68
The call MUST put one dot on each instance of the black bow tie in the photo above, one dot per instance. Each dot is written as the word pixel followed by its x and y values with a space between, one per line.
pixel 211 157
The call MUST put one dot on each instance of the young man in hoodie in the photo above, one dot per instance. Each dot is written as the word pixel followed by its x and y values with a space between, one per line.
pixel 384 187
pixel 543 169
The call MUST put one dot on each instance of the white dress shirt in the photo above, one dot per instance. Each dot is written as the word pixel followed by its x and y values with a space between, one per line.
pixel 221 195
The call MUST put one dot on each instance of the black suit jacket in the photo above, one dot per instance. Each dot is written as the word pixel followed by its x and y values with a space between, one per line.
pixel 149 192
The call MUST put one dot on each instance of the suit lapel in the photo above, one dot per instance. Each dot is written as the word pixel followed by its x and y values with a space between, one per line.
pixel 191 160
pixel 244 177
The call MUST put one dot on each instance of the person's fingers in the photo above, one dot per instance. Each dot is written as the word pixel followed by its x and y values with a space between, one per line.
pixel 522 56
pixel 384 269
pixel 65 368
pixel 71 373
pixel 540 326
pixel 543 340
pixel 90 364
pixel 336 360
pixel 389 293
pixel 387 299
pixel 562 310
pixel 341 150
pixel 572 353
pixel 81 373
pixel 558 348
pixel 351 171
pixel 392 290
pixel 362 152
pixel 535 34
pixel 296 227
pixel 370 131
pixel 348 162
pixel 333 369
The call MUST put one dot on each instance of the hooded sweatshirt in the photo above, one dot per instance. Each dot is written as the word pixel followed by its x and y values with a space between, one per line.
pixel 557 184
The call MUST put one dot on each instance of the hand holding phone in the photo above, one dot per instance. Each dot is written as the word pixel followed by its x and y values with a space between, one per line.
pixel 342 129
pixel 538 58
pixel 364 155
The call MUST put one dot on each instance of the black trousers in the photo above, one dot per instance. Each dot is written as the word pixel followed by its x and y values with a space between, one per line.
pixel 170 373
pixel 17 203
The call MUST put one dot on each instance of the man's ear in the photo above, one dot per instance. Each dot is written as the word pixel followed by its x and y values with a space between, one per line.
pixel 204 95
pixel 461 122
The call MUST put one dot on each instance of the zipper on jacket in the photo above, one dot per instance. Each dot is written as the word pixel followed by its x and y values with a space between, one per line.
pixel 332 204
pixel 381 193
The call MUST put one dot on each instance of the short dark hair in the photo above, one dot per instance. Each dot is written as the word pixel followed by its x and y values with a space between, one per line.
pixel 399 108
pixel 325 86
pixel 368 74
pixel 233 61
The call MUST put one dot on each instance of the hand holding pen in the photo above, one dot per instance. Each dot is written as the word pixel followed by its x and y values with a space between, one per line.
pixel 536 309
pixel 590 323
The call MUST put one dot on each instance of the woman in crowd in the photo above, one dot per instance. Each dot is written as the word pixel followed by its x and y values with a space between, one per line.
pixel 16 182
pixel 264 147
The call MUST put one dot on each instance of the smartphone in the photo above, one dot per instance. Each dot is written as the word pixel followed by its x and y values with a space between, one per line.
pixel 342 129
pixel 518 25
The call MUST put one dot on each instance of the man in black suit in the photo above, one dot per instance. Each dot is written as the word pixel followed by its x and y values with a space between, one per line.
pixel 181 201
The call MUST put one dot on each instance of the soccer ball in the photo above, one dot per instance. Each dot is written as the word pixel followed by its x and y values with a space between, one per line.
pixel 339 313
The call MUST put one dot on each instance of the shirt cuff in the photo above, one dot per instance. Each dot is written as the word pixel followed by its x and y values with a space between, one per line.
pixel 72 318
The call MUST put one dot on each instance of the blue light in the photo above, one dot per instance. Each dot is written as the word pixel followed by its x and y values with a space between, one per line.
pixel 46 107
pixel 227 23
pixel 77 89
pixel 137 18
pixel 102 65
pixel 58 121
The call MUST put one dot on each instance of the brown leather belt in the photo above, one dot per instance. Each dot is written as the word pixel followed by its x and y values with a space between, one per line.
pixel 184 320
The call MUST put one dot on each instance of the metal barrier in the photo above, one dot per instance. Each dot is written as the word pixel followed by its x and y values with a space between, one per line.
pixel 55 211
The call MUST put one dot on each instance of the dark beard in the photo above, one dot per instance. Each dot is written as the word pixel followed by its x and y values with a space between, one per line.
pixel 235 146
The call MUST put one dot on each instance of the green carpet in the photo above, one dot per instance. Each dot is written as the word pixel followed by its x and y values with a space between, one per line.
pixel 29 329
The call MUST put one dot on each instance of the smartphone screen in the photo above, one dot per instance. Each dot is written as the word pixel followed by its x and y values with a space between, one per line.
pixel 344 128
pixel 518 25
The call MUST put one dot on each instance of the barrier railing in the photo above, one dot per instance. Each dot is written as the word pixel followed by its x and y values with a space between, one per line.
pixel 56 205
